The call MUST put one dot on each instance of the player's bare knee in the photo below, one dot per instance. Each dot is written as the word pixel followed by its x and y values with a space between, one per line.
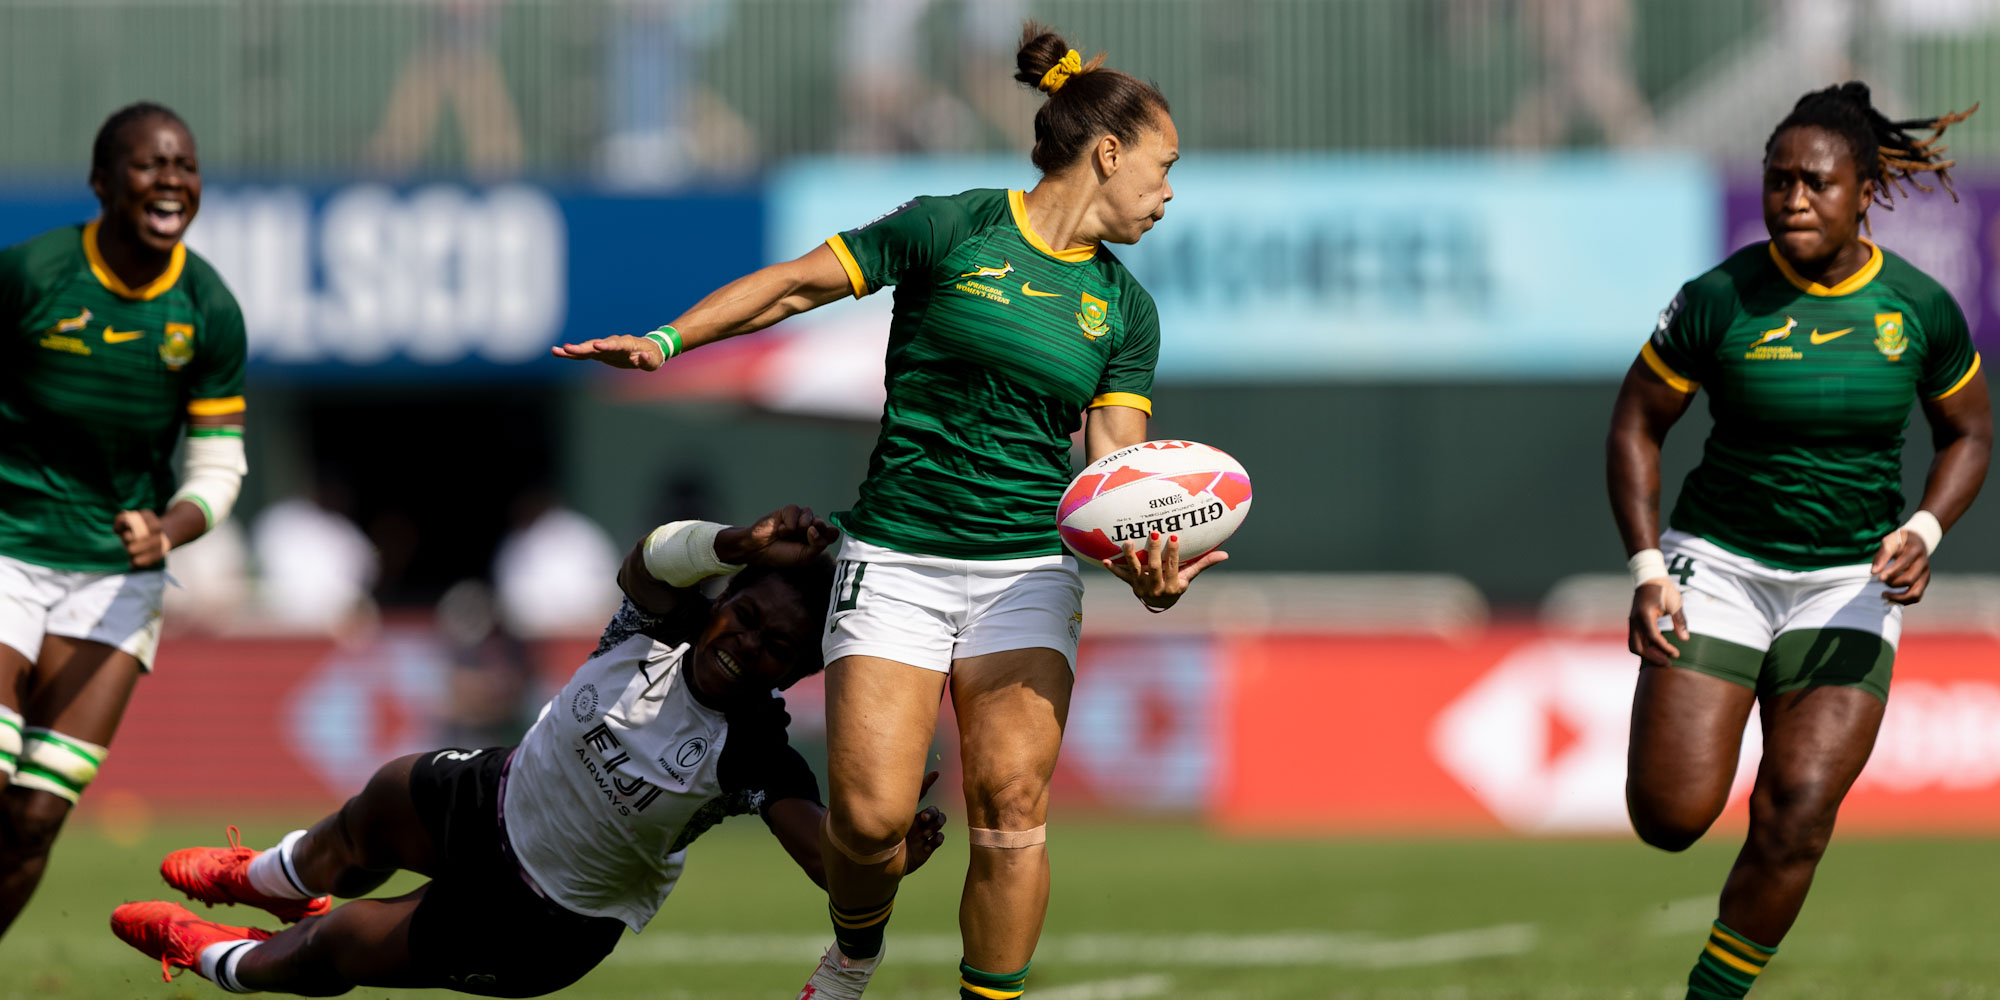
pixel 868 828
pixel 1794 825
pixel 1668 825
pixel 1012 802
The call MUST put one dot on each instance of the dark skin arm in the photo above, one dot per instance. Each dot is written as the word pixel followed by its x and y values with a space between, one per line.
pixel 1646 409
pixel 149 536
pixel 796 822
pixel 786 537
pixel 1962 433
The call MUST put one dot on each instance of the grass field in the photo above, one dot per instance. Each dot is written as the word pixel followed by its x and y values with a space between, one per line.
pixel 1158 909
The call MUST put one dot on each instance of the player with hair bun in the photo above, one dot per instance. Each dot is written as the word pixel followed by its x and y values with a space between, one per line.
pixel 1784 573
pixel 116 345
pixel 1011 319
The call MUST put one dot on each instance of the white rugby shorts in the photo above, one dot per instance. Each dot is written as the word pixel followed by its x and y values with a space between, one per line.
pixel 121 610
pixel 930 610
pixel 1738 599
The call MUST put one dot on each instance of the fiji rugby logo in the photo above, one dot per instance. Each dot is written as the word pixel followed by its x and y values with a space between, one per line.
pixel 691 752
pixel 1889 336
pixel 1092 319
pixel 583 704
pixel 178 348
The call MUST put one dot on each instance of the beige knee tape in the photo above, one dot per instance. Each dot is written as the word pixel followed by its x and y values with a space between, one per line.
pixel 1008 840
pixel 864 860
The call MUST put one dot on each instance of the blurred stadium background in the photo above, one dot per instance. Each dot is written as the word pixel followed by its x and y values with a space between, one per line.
pixel 1414 246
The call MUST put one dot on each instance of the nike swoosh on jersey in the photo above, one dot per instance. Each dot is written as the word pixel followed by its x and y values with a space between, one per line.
pixel 121 336
pixel 1821 338
pixel 1025 290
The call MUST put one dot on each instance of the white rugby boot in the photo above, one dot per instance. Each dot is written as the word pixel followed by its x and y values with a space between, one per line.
pixel 839 977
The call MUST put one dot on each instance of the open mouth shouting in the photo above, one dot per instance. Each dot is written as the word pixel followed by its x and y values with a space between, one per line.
pixel 166 217
pixel 729 665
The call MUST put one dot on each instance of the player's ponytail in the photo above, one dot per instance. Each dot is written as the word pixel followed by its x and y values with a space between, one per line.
pixel 1884 151
pixel 1086 100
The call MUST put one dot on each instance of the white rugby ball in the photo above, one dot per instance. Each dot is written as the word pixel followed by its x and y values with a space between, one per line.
pixel 1177 488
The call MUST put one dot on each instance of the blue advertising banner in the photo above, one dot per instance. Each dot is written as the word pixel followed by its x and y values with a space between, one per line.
pixel 1364 267
pixel 447 279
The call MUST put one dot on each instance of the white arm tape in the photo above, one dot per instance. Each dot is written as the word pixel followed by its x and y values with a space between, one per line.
pixel 1647 564
pixel 1924 525
pixel 682 553
pixel 212 469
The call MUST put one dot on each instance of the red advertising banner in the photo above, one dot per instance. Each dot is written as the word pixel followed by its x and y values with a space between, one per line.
pixel 1511 731
pixel 1521 731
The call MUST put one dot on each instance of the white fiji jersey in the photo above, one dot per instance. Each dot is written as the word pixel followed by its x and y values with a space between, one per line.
pixel 625 768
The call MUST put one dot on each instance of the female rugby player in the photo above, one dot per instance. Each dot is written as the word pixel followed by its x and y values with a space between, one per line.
pixel 541 855
pixel 113 339
pixel 1011 319
pixel 1784 573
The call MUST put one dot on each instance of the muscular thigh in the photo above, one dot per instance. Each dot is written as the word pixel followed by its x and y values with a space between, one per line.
pixel 79 688
pixel 1012 708
pixel 1687 733
pixel 880 717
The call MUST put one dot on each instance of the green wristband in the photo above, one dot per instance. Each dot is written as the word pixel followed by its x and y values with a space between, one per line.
pixel 669 340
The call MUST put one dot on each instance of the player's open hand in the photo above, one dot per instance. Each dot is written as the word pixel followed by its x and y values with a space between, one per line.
pixel 1156 573
pixel 926 832
pixel 1655 599
pixel 145 541
pixel 618 352
pixel 792 536
pixel 1903 564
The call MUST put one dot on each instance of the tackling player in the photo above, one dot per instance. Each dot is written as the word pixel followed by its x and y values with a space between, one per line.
pixel 541 855
pixel 113 339
pixel 1011 319
pixel 1784 573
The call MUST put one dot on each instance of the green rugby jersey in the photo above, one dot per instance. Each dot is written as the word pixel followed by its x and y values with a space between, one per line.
pixel 998 345
pixel 96 382
pixel 1810 388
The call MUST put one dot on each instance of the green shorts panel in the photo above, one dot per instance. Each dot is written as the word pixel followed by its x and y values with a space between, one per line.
pixel 1828 657
pixel 1731 661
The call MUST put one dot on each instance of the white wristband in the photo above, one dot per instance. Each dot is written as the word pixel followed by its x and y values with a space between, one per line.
pixel 1924 525
pixel 682 553
pixel 1647 564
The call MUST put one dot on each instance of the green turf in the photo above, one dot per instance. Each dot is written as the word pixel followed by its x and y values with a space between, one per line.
pixel 1593 919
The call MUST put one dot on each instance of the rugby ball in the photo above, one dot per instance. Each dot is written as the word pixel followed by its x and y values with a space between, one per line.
pixel 1177 488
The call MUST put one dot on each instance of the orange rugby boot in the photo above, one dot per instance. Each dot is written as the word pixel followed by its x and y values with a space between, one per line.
pixel 221 875
pixel 168 932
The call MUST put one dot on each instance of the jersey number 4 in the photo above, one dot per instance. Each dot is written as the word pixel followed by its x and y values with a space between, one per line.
pixel 1680 569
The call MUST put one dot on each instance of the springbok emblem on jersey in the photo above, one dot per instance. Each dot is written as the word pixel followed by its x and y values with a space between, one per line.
pixel 1092 319
pixel 1002 271
pixel 1778 334
pixel 72 324
pixel 1889 336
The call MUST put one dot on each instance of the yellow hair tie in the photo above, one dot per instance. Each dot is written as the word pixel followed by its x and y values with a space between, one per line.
pixel 1059 74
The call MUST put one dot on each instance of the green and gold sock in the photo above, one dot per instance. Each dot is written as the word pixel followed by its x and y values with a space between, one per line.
pixel 859 932
pixel 1728 966
pixel 976 985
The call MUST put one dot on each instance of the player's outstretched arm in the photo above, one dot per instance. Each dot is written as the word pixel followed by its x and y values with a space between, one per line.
pixel 676 557
pixel 796 824
pixel 1962 433
pixel 746 305
pixel 1646 409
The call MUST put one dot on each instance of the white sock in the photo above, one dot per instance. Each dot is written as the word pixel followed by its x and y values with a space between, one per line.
pixel 218 964
pixel 273 874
